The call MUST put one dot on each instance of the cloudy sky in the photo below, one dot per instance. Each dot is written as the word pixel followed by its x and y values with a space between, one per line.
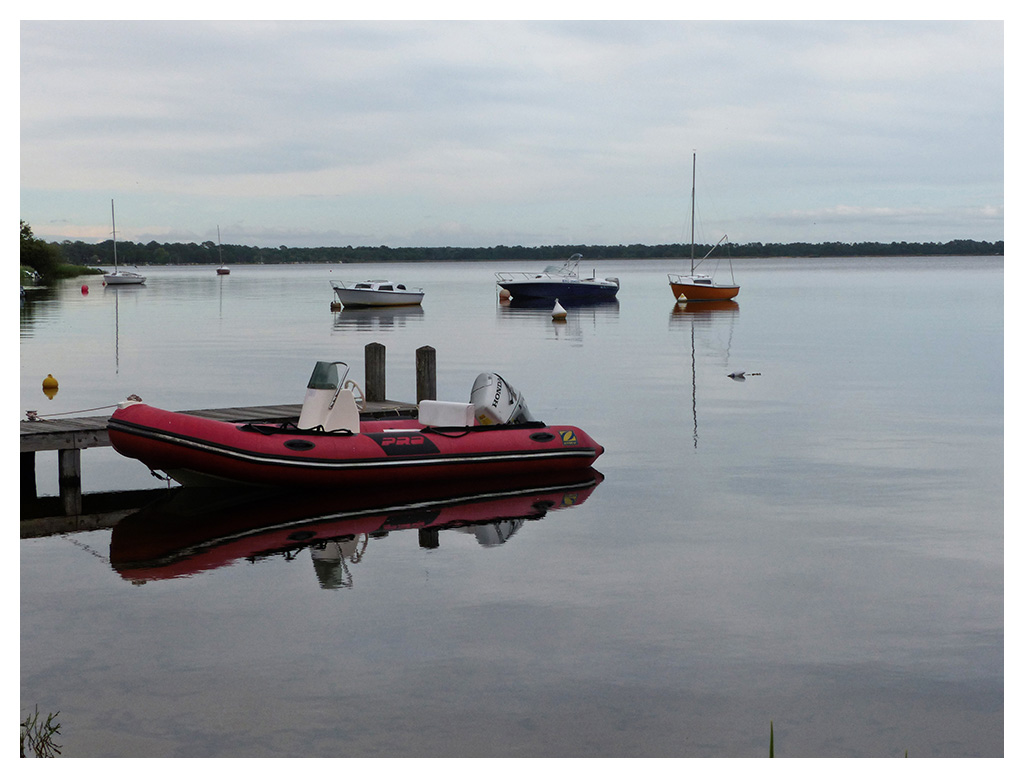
pixel 515 133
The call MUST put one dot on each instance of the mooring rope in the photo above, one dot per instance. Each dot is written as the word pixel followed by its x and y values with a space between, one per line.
pixel 84 547
pixel 36 416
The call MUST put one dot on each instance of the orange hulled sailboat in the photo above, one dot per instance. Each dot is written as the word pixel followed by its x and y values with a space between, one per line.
pixel 700 286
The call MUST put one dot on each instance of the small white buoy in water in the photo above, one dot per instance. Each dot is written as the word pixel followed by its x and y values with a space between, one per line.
pixel 558 312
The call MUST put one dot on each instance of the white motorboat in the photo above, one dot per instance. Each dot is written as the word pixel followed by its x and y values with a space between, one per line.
pixel 123 277
pixel 376 293
pixel 560 282
pixel 120 277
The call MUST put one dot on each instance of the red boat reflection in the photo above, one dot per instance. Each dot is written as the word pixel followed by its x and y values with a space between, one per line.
pixel 195 530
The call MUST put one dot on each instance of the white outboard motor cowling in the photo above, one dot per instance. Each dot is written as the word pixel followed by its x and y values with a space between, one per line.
pixel 495 401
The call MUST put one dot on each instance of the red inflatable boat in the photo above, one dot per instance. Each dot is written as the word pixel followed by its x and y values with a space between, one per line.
pixel 491 436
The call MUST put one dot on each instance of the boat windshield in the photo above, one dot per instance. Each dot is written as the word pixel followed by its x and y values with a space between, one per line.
pixel 325 375
pixel 568 268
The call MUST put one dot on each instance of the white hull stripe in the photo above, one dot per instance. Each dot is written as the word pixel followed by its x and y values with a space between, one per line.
pixel 241 455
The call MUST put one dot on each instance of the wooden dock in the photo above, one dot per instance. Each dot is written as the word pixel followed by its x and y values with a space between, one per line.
pixel 70 436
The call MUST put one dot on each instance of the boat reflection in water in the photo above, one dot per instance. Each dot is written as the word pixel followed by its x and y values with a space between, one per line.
pixel 515 304
pixel 191 531
pixel 706 316
pixel 374 319
pixel 706 308
pixel 580 316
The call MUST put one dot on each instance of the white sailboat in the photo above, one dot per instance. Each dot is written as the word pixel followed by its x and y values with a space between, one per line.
pixel 700 286
pixel 120 277
pixel 223 270
pixel 376 294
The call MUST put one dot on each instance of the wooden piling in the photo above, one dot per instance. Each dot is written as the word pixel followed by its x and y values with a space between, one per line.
pixel 69 479
pixel 28 475
pixel 426 373
pixel 429 537
pixel 376 388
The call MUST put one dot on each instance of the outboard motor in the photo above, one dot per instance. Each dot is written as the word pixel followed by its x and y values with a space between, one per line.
pixel 495 401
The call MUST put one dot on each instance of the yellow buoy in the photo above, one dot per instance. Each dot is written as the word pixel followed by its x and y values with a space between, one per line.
pixel 50 386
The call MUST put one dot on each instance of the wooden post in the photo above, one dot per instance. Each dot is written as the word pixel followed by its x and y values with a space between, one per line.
pixel 376 388
pixel 426 373
pixel 69 479
pixel 429 537
pixel 28 475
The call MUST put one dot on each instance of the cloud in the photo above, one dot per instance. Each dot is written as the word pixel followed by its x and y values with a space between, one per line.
pixel 553 128
pixel 889 224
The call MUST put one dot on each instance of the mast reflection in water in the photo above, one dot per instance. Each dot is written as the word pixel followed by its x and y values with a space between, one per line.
pixel 707 316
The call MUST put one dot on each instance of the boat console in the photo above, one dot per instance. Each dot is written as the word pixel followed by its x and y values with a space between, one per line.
pixel 328 403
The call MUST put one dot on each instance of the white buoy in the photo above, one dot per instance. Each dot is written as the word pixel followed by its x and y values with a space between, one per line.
pixel 558 312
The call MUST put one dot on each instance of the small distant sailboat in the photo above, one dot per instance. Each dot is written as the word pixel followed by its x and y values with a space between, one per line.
pixel 223 270
pixel 120 277
pixel 700 286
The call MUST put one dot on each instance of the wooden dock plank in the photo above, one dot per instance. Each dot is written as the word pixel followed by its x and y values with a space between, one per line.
pixel 54 435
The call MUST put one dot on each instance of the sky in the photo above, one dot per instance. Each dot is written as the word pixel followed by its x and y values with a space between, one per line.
pixel 532 133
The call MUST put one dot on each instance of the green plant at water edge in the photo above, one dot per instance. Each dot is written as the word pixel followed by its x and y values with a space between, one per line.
pixel 37 736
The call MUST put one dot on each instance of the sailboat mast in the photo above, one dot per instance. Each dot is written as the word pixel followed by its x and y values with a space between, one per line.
pixel 114 233
pixel 693 207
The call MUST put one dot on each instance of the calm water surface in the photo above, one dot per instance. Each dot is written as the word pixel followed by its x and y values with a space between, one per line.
pixel 819 545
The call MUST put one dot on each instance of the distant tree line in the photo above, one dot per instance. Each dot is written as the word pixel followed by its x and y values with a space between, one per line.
pixel 206 253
